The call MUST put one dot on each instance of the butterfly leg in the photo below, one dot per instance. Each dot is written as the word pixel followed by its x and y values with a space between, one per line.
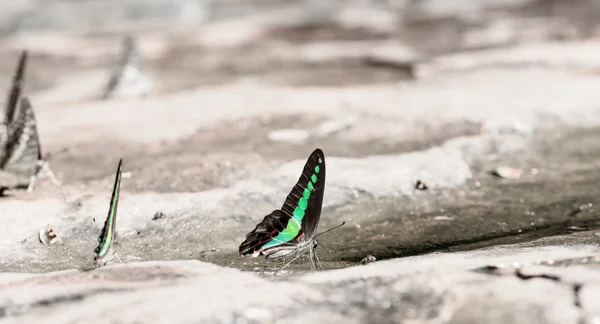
pixel 50 174
pixel 31 182
pixel 287 264
pixel 118 258
pixel 317 262
pixel 132 258
pixel 314 260
pixel 42 166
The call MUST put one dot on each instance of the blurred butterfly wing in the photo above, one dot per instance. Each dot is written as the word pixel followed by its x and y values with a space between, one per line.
pixel 23 149
pixel 130 58
pixel 16 88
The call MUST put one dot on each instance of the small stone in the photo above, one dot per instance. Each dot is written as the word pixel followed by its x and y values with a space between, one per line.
pixel 158 215
pixel 368 259
pixel 48 236
pixel 419 185
pixel 393 56
pixel 498 270
pixel 208 251
pixel 507 173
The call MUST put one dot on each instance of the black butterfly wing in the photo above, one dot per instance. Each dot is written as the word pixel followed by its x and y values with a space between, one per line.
pixel 298 216
pixel 22 150
pixel 310 188
pixel 129 57
pixel 264 232
pixel 16 88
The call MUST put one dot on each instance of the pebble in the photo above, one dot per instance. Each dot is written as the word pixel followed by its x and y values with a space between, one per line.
pixel 48 236
pixel 368 259
pixel 507 173
pixel 419 185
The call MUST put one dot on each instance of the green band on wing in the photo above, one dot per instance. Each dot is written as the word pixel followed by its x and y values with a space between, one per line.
pixel 111 219
pixel 306 193
pixel 286 235
pixel 303 203
pixel 293 226
pixel 298 214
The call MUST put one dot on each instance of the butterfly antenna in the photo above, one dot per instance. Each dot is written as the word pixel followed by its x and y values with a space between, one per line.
pixel 51 155
pixel 331 229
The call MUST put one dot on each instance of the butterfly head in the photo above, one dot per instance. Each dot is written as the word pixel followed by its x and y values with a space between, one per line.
pixel 102 260
pixel 98 261
pixel 315 243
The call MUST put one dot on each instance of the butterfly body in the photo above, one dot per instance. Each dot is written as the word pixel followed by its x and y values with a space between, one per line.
pixel 104 251
pixel 291 230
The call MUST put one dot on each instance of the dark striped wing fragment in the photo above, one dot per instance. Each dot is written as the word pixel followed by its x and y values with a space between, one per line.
pixel 22 149
pixel 16 89
pixel 264 232
pixel 315 201
pixel 129 57
pixel 302 205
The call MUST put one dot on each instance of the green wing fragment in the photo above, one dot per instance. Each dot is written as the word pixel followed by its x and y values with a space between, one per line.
pixel 106 239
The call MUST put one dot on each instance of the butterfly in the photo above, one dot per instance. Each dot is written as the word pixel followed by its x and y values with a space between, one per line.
pixel 104 251
pixel 292 229
pixel 20 148
pixel 128 79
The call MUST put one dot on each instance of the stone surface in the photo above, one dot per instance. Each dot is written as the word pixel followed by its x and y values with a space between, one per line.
pixel 440 289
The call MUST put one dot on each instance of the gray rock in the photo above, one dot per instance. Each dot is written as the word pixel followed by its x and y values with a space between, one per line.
pixel 435 289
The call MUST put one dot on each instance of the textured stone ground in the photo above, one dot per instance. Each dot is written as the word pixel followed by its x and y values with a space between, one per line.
pixel 438 288
pixel 430 91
